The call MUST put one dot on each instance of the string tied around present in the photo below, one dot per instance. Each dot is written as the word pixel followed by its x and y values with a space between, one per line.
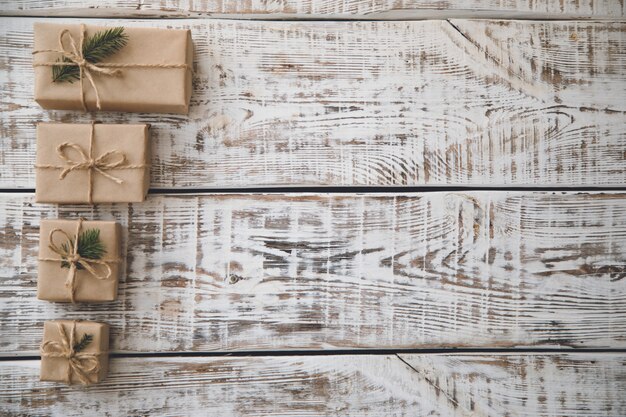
pixel 75 57
pixel 69 254
pixel 81 364
pixel 110 160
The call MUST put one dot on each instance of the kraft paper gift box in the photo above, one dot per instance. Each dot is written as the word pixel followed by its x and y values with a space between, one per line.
pixel 74 352
pixel 121 163
pixel 83 272
pixel 153 70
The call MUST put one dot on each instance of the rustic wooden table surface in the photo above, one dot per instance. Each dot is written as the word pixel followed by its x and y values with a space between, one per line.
pixel 374 208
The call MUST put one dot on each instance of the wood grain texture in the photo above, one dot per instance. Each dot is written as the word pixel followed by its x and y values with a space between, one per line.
pixel 526 384
pixel 320 9
pixel 465 102
pixel 458 385
pixel 274 272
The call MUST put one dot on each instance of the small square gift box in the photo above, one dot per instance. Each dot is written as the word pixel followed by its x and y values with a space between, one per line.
pixel 92 163
pixel 74 352
pixel 126 69
pixel 79 261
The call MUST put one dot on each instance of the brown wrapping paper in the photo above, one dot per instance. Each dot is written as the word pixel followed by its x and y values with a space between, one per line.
pixel 161 90
pixel 56 368
pixel 129 141
pixel 53 280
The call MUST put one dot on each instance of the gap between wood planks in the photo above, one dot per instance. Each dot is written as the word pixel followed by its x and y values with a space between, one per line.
pixel 392 189
pixel 340 352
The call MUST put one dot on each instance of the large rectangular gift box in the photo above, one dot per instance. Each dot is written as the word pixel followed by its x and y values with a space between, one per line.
pixel 88 272
pixel 74 352
pixel 92 163
pixel 153 69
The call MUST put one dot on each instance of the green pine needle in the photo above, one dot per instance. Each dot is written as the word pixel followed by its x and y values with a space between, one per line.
pixel 89 246
pixel 84 342
pixel 95 48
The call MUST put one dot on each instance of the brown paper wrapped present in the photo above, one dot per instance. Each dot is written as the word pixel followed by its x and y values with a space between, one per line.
pixel 74 352
pixel 79 261
pixel 150 71
pixel 92 163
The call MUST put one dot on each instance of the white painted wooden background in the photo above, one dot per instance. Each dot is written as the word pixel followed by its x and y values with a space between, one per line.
pixel 526 280
pixel 451 385
pixel 314 271
pixel 321 9
pixel 461 102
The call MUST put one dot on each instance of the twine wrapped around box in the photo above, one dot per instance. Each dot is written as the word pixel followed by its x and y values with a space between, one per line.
pixel 69 254
pixel 81 364
pixel 74 54
pixel 108 161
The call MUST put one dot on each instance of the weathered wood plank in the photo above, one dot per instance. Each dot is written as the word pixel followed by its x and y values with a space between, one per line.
pixel 416 385
pixel 262 272
pixel 321 9
pixel 368 103
pixel 527 384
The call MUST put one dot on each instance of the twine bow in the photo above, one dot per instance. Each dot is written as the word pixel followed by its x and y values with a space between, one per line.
pixel 110 160
pixel 74 53
pixel 80 363
pixel 70 255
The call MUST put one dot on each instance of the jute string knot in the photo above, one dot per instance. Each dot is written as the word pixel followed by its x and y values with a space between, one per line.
pixel 80 363
pixel 74 54
pixel 110 160
pixel 69 254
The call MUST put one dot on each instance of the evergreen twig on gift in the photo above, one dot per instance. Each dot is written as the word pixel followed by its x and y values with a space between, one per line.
pixel 95 48
pixel 89 246
pixel 84 342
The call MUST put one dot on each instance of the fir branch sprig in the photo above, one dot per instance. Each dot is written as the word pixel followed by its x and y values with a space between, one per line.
pixel 84 342
pixel 95 48
pixel 89 246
